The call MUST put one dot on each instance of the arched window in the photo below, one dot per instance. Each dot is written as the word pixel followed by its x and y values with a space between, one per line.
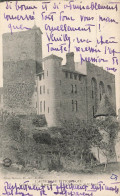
pixel 109 90
pixel 101 89
pixel 94 94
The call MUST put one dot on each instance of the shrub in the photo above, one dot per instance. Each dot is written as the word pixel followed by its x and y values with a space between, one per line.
pixel 43 138
pixel 39 121
pixel 13 122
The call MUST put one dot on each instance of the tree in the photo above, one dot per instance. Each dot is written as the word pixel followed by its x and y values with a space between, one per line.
pixel 78 138
pixel 15 137
pixel 111 127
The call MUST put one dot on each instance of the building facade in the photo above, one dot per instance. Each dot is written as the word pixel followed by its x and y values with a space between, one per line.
pixel 45 86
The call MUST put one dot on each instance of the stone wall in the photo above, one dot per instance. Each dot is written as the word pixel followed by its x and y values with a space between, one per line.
pixel 107 79
pixel 19 86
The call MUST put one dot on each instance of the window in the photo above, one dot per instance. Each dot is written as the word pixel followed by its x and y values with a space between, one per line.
pixel 75 88
pixel 101 89
pixel 94 93
pixel 36 104
pixel 40 90
pixel 75 76
pixel 93 111
pixel 80 77
pixel 72 105
pixel 44 106
pixel 40 77
pixel 76 106
pixel 40 106
pixel 47 72
pixel 109 90
pixel 71 88
pixel 71 76
pixel 66 74
pixel 48 109
pixel 43 75
pixel 44 89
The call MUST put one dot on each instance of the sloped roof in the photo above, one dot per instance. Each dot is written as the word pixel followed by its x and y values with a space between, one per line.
pixel 105 108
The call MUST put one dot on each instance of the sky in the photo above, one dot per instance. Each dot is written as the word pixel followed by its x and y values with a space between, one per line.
pixel 103 24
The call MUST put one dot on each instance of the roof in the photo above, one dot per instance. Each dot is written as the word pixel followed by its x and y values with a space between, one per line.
pixel 65 68
pixel 52 56
pixel 37 28
pixel 105 108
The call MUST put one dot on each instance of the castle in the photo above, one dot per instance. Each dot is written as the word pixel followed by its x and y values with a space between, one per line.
pixel 45 86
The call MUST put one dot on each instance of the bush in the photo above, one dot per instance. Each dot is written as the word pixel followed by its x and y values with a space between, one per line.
pixel 39 121
pixel 43 138
pixel 13 122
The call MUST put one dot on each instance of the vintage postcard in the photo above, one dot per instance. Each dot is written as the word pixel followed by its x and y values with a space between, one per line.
pixel 60 98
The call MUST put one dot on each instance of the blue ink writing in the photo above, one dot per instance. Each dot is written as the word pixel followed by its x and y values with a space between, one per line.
pixel 8 5
pixel 20 27
pixel 101 41
pixel 24 7
pixel 92 59
pixel 87 49
pixel 115 177
pixel 48 17
pixel 44 5
pixel 107 19
pixel 86 18
pixel 61 48
pixel 66 28
pixel 19 17
pixel 63 18
pixel 93 6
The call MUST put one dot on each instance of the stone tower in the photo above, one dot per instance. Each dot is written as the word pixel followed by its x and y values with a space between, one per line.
pixel 22 60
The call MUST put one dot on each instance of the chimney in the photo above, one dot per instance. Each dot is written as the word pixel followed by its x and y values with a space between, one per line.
pixel 70 61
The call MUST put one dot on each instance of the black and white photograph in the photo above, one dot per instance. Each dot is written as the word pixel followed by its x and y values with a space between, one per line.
pixel 60 98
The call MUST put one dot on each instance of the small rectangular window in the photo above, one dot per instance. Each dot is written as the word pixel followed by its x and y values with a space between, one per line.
pixel 71 75
pixel 40 90
pixel 36 104
pixel 44 106
pixel 43 75
pixel 40 106
pixel 93 111
pixel 75 76
pixel 47 72
pixel 80 77
pixel 48 109
pixel 72 105
pixel 44 89
pixel 75 88
pixel 66 74
pixel 71 88
pixel 76 106
pixel 40 77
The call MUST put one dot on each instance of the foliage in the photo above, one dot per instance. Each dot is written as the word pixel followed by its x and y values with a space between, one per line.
pixel 78 138
pixel 42 138
pixel 39 121
pixel 110 125
pixel 15 135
